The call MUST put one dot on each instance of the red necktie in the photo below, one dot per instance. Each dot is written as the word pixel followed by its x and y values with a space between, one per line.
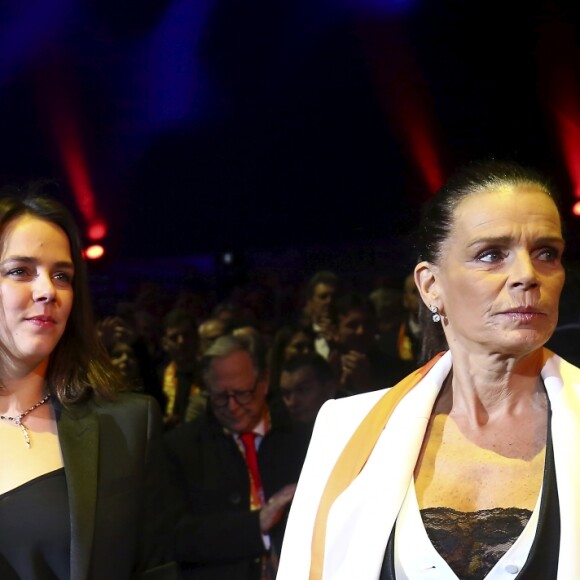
pixel 248 440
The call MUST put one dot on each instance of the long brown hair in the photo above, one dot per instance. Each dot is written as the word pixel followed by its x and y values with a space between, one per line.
pixel 79 366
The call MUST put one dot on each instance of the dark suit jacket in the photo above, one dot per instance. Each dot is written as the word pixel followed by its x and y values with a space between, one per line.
pixel 222 540
pixel 121 522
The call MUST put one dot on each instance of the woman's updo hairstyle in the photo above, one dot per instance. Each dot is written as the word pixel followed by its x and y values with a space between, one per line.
pixel 438 217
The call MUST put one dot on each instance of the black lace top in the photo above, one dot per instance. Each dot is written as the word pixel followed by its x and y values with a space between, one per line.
pixel 472 542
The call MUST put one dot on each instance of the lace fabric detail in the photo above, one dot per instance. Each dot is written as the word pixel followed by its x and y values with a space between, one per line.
pixel 473 542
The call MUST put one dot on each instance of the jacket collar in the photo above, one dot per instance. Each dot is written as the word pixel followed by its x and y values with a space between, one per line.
pixel 78 432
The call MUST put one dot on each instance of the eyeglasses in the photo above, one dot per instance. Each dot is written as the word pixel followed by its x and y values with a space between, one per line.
pixel 240 397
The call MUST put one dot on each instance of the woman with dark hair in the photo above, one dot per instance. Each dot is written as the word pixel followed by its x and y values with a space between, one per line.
pixel 289 341
pixel 467 468
pixel 83 485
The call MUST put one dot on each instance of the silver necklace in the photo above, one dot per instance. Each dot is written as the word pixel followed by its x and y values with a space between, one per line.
pixel 17 420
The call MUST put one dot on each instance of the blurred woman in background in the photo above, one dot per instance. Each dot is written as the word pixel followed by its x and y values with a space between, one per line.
pixel 290 341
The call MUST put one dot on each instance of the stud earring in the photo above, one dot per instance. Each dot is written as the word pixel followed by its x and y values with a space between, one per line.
pixel 436 316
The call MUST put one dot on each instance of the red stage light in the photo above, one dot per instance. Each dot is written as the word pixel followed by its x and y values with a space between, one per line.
pixel 59 97
pixel 97 231
pixel 403 96
pixel 576 209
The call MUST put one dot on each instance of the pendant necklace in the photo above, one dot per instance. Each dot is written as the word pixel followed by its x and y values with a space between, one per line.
pixel 17 420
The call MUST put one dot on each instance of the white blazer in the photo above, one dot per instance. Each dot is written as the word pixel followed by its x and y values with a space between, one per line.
pixel 360 520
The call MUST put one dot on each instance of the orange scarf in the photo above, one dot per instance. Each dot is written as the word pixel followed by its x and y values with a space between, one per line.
pixel 353 458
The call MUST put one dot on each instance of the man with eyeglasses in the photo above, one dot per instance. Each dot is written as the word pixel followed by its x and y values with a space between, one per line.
pixel 238 465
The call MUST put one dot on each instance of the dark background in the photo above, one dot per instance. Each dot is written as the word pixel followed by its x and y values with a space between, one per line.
pixel 266 126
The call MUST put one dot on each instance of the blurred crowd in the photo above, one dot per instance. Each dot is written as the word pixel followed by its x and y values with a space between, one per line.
pixel 330 341
pixel 350 341
pixel 240 382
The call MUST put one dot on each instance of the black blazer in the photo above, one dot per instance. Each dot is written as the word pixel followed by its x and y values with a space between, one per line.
pixel 122 520
pixel 222 539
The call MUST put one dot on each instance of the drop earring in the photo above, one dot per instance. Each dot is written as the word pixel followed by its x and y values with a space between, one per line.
pixel 436 316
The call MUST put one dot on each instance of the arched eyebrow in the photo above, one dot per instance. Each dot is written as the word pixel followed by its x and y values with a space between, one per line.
pixel 64 264
pixel 505 240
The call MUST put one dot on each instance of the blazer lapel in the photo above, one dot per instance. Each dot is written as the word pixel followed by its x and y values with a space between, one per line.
pixel 357 520
pixel 562 382
pixel 78 432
